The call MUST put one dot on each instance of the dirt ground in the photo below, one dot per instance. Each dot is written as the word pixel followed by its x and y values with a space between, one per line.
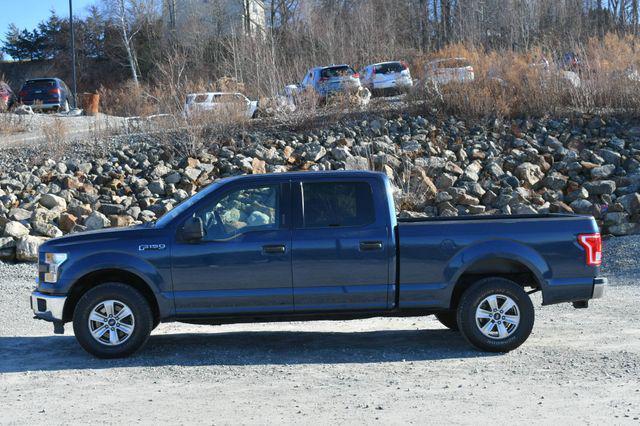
pixel 578 366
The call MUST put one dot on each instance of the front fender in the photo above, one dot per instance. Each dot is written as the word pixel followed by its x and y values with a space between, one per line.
pixel 76 268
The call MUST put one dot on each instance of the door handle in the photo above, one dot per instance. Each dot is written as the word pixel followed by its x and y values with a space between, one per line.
pixel 370 245
pixel 274 249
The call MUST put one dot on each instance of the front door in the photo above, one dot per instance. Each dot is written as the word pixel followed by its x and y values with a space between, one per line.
pixel 340 247
pixel 243 263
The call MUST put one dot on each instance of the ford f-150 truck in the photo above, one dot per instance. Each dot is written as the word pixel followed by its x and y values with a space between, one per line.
pixel 313 246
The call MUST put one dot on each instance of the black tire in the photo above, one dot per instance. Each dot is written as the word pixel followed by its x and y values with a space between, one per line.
pixel 449 319
pixel 142 318
pixel 474 296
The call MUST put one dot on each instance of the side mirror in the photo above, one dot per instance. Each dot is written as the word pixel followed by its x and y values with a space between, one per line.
pixel 192 230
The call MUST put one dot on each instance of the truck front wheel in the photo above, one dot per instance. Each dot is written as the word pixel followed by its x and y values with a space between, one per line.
pixel 112 320
pixel 495 315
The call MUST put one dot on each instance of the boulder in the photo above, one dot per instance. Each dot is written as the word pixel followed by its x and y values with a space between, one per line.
pixel 600 187
pixel 50 201
pixel 27 248
pixel 7 249
pixel 602 172
pixel 15 229
pixel 529 174
pixel 67 222
pixel 630 203
pixel 96 220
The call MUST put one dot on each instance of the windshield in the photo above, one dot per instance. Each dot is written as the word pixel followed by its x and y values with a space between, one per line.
pixel 186 204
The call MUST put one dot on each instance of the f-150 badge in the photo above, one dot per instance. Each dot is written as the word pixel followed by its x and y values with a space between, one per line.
pixel 145 247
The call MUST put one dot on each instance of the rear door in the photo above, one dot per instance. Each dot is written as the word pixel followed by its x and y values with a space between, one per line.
pixel 340 246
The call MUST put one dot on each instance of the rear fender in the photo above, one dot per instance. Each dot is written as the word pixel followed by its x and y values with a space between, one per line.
pixel 514 251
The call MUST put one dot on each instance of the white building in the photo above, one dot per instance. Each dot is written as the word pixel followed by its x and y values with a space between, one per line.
pixel 214 17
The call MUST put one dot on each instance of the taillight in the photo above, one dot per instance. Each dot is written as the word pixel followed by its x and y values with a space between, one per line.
pixel 404 65
pixel 22 94
pixel 323 79
pixel 356 75
pixel 592 245
pixel 55 91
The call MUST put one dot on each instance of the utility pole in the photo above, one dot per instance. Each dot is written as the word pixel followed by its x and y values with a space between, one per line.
pixel 73 56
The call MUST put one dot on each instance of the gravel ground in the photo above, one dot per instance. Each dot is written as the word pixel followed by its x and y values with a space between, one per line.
pixel 578 366
pixel 39 128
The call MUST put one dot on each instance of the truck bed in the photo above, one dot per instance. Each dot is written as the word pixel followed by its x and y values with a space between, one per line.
pixel 434 253
pixel 486 217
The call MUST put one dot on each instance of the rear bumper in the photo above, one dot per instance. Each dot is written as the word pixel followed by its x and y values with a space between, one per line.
pixel 36 105
pixel 392 84
pixel 47 307
pixel 573 290
pixel 598 287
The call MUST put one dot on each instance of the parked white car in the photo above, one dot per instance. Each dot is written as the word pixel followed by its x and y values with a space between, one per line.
pixel 444 71
pixel 393 76
pixel 220 102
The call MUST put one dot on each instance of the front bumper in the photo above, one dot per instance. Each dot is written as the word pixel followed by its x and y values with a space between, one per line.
pixel 47 307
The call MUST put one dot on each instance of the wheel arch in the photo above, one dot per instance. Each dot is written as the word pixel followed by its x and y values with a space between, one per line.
pixel 101 276
pixel 498 258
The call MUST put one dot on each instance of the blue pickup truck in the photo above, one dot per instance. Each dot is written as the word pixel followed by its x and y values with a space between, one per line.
pixel 313 246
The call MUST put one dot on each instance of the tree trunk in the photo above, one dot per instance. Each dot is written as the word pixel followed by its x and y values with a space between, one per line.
pixel 127 44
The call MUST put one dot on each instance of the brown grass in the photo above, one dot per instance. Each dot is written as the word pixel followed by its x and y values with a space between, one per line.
pixel 11 124
pixel 509 83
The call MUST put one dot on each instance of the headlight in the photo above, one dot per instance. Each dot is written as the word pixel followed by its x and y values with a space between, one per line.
pixel 53 262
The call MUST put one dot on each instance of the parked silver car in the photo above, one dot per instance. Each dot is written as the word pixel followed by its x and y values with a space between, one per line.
pixel 386 77
pixel 220 102
pixel 332 79
pixel 452 70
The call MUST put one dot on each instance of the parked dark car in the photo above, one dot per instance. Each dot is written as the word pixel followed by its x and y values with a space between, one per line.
pixel 45 94
pixel 7 98
pixel 314 246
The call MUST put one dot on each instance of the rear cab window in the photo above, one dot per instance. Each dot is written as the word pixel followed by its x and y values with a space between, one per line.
pixel 337 204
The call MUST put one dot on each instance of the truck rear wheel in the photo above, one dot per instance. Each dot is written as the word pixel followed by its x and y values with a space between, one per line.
pixel 495 315
pixel 449 319
pixel 112 320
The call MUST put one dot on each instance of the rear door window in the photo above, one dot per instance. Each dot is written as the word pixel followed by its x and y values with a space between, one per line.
pixel 336 204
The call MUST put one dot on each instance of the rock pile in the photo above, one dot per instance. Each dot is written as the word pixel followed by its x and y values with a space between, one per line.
pixel 441 167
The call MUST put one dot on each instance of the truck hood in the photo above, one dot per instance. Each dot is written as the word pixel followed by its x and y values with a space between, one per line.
pixel 132 233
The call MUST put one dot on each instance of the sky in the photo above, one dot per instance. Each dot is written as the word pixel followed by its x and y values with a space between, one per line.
pixel 28 13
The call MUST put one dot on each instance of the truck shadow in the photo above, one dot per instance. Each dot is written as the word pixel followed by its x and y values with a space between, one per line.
pixel 52 353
